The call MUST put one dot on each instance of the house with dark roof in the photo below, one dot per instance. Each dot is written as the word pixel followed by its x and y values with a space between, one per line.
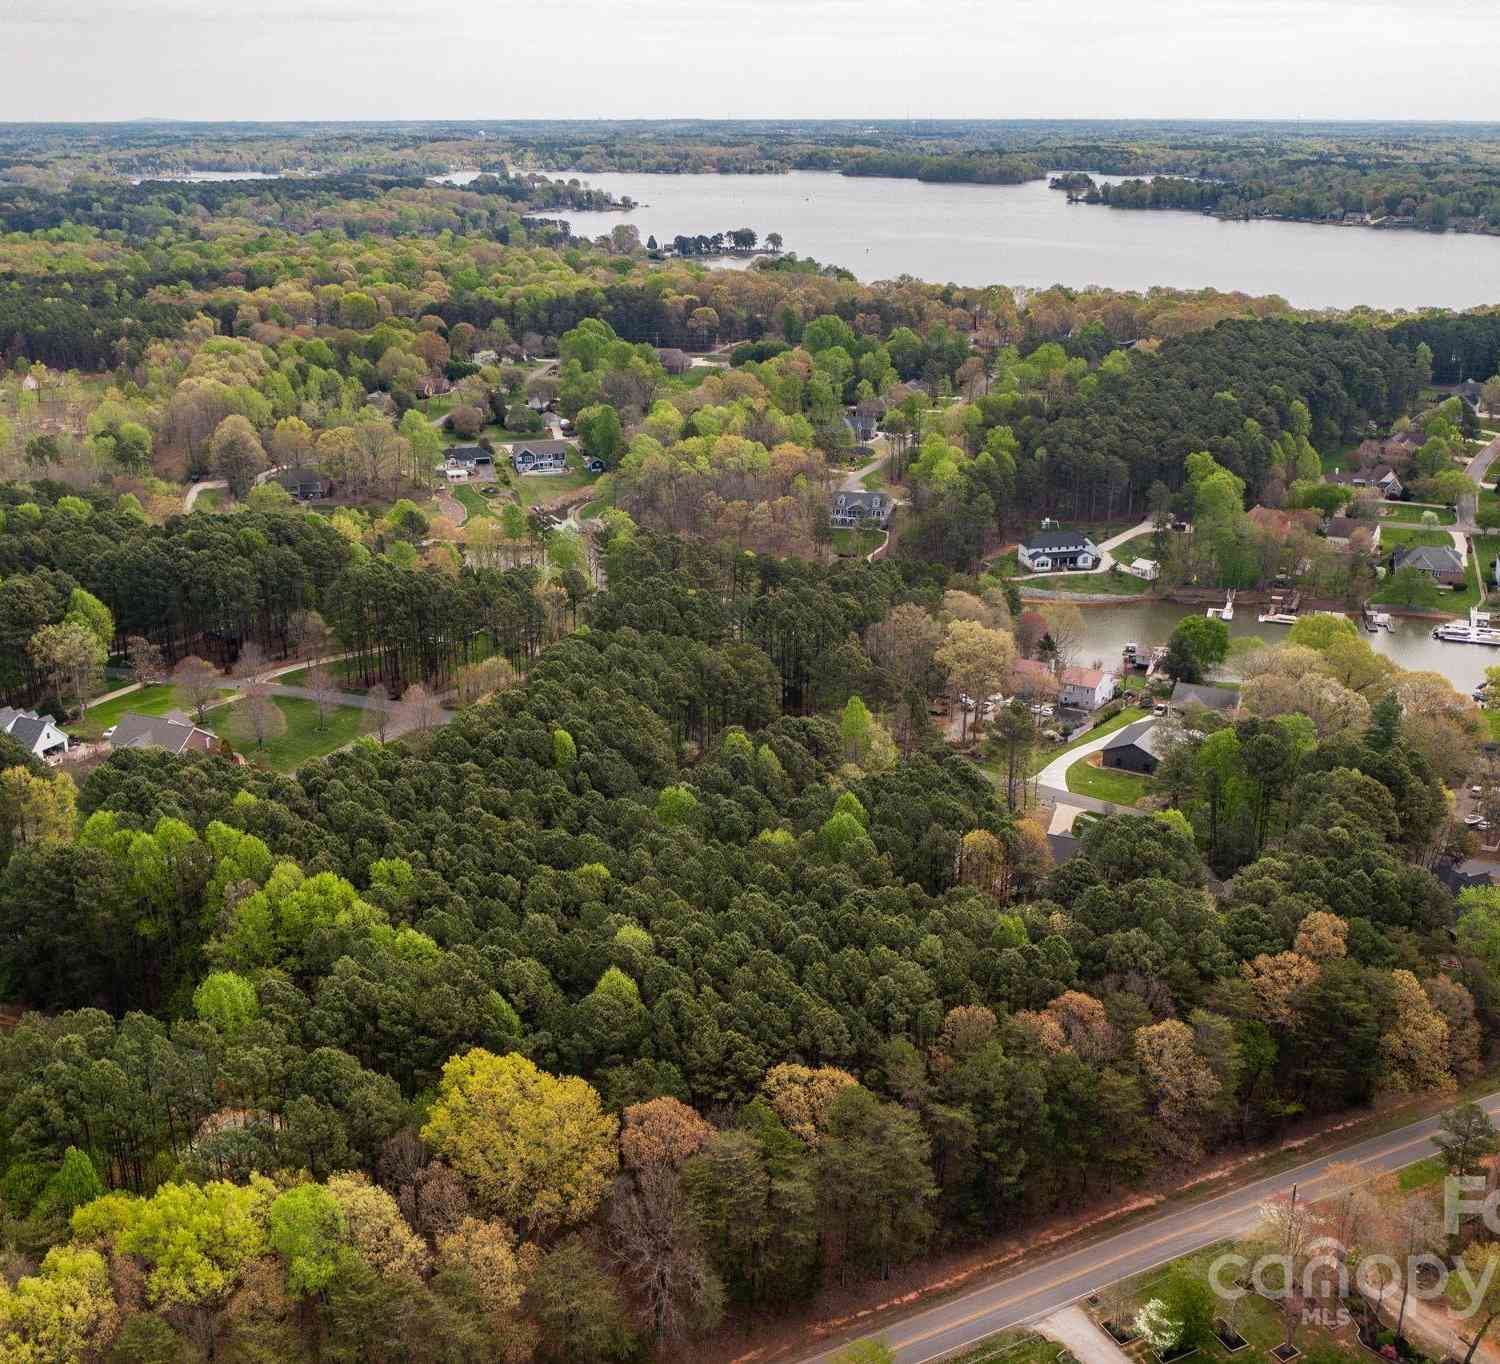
pixel 1046 551
pixel 1186 694
pixel 37 734
pixel 1340 530
pixel 1382 478
pixel 1136 748
pixel 540 456
pixel 306 485
pixel 861 509
pixel 1443 564
pixel 175 733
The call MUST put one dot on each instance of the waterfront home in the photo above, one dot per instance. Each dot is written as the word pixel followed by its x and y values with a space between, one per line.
pixel 1046 551
pixel 1086 688
pixel 1444 565
pixel 1147 570
pixel 1185 694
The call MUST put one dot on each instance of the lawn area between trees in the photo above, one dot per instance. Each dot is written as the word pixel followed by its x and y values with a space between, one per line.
pixel 849 543
pixel 1398 537
pixel 1048 754
pixel 303 740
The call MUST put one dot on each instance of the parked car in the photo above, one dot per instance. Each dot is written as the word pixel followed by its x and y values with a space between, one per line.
pixel 1160 708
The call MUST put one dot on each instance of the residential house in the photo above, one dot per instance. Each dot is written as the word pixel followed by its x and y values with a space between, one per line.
pixel 1049 550
pixel 306 485
pixel 1086 688
pixel 1186 694
pixel 1148 570
pixel 467 455
pixel 456 473
pixel 37 734
pixel 1382 478
pixel 175 733
pixel 595 466
pixel 1341 530
pixel 1136 748
pixel 540 456
pixel 1441 563
pixel 851 510
pixel 863 422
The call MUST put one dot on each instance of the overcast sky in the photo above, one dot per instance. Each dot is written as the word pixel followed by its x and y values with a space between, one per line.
pixel 355 59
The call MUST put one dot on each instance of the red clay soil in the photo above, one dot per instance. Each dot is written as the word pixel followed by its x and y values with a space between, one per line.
pixel 839 1312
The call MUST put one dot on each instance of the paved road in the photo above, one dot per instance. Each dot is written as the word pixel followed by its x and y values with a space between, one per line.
pixel 1477 470
pixel 1051 1284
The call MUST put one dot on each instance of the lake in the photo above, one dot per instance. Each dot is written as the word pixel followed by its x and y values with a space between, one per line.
pixel 1108 628
pixel 1030 235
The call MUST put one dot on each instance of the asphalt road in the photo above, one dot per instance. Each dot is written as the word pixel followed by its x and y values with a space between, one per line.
pixel 1050 1284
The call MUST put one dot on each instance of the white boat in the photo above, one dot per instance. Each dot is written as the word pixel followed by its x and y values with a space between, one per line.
pixel 1225 612
pixel 1282 609
pixel 1378 620
pixel 1479 630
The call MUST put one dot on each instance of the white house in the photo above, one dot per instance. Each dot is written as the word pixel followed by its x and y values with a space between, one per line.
pixel 37 734
pixel 1045 551
pixel 1148 570
pixel 540 456
pixel 1086 688
pixel 456 473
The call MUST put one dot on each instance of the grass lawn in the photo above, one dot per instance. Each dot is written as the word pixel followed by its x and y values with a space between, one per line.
pixel 1048 753
pixel 303 740
pixel 1137 547
pixel 1105 783
pixel 1486 549
pixel 849 543
pixel 1012 1347
pixel 478 504
pixel 1411 515
pixel 1393 537
pixel 877 479
pixel 1421 1175
pixel 594 508
pixel 1492 720
pixel 538 487
pixel 1112 583
pixel 157 700
pixel 211 500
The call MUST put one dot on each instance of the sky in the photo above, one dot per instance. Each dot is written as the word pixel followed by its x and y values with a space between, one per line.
pixel 86 60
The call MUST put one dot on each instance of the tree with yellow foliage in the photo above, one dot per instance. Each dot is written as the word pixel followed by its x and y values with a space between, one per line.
pixel 539 1149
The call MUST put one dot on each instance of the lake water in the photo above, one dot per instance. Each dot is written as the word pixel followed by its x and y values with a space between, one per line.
pixel 1030 235
pixel 1108 628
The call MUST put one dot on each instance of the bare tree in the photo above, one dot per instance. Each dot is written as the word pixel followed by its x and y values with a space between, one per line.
pixel 145 660
pixel 256 717
pixel 419 710
pixel 377 717
pixel 655 1241
pixel 323 683
pixel 195 682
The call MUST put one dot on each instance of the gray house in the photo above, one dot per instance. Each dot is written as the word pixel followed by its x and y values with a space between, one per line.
pixel 1210 698
pixel 306 485
pixel 861 509
pixel 176 734
pixel 1136 748
pixel 540 456
pixel 1442 564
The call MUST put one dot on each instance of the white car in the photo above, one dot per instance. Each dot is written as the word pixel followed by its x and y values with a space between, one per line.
pixel 109 733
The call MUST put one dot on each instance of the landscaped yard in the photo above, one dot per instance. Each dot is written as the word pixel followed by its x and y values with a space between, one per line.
pixel 1395 537
pixel 1113 583
pixel 157 700
pixel 1486 549
pixel 211 500
pixel 1405 513
pixel 537 487
pixel 1105 783
pixel 849 543
pixel 477 503
pixel 303 740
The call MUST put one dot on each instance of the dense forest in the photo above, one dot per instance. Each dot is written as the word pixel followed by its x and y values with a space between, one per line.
pixel 626 1005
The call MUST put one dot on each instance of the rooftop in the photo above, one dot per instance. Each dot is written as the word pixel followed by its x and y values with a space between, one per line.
pixel 1147 735
pixel 1055 539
